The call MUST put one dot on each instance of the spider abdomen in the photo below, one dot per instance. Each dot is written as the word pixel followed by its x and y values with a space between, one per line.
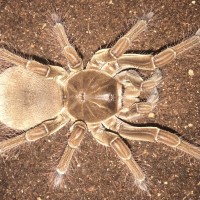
pixel 92 96
pixel 27 99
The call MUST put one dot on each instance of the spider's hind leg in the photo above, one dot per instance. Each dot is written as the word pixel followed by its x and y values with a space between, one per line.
pixel 44 129
pixel 147 134
pixel 154 134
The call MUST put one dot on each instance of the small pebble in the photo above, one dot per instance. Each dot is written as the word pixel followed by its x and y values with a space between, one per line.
pixel 191 72
pixel 111 2
pixel 151 115
pixel 145 152
pixel 44 25
pixel 193 2
pixel 190 125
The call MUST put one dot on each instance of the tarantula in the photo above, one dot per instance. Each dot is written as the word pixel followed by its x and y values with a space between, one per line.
pixel 101 98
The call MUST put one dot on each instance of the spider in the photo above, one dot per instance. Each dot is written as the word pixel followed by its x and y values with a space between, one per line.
pixel 101 98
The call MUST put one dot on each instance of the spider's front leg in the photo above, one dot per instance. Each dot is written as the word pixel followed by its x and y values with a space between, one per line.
pixel 110 56
pixel 112 140
pixel 44 129
pixel 114 60
pixel 150 62
pixel 48 71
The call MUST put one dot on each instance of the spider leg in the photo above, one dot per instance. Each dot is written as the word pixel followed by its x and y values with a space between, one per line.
pixel 45 129
pixel 75 62
pixel 150 62
pixel 77 133
pixel 112 140
pixel 48 71
pixel 124 43
pixel 121 46
pixel 154 134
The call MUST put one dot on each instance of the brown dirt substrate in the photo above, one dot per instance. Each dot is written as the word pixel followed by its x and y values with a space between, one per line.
pixel 96 172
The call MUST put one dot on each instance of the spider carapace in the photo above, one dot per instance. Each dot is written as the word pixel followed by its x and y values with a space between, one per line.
pixel 93 96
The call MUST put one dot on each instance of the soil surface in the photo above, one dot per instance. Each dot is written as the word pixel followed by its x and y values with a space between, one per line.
pixel 96 172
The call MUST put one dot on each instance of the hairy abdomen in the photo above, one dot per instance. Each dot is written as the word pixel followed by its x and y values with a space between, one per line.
pixel 27 99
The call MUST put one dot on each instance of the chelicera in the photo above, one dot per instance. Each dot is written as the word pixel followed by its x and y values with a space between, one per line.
pixel 101 98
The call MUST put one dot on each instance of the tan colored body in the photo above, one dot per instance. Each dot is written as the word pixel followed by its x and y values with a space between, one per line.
pixel 41 99
pixel 92 96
